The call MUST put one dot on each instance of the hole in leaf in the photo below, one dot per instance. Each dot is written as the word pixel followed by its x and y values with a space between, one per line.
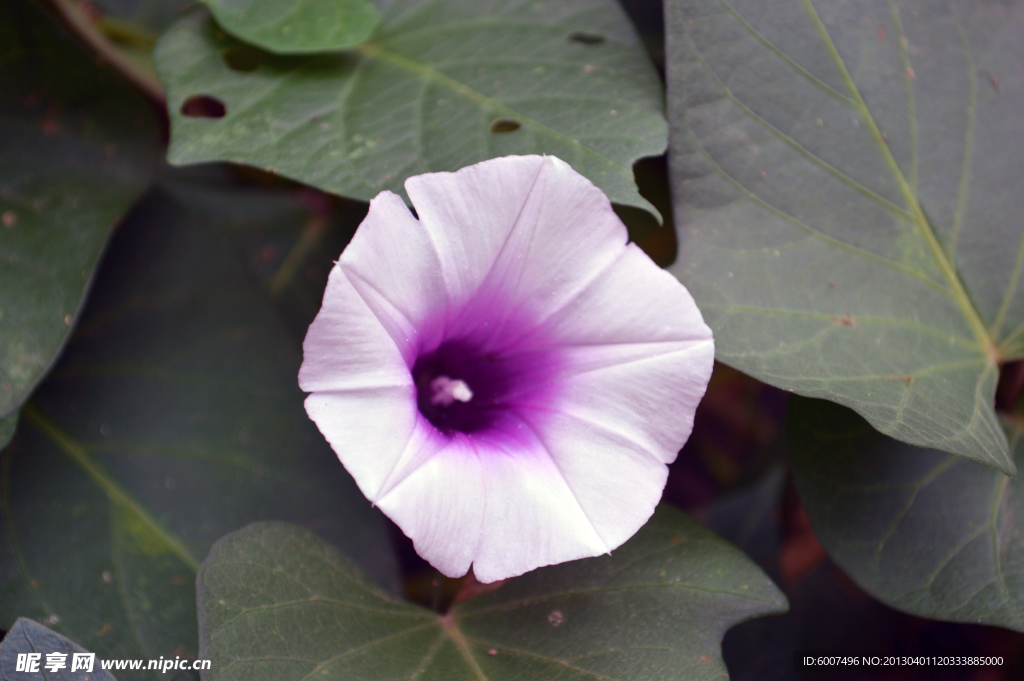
pixel 585 38
pixel 243 58
pixel 1010 387
pixel 203 106
pixel 500 126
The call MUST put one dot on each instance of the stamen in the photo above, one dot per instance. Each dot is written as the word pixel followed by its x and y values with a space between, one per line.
pixel 445 391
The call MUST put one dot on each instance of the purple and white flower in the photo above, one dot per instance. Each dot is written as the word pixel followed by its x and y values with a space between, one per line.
pixel 505 377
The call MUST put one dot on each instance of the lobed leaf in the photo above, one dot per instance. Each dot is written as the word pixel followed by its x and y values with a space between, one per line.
pixel 173 419
pixel 848 180
pixel 276 602
pixel 77 148
pixel 441 85
pixel 930 533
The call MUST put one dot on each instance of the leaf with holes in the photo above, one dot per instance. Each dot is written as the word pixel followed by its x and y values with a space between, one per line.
pixel 297 26
pixel 927 532
pixel 27 637
pixel 276 602
pixel 441 85
pixel 173 418
pixel 77 147
pixel 849 182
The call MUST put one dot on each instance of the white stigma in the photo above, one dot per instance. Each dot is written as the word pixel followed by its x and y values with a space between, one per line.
pixel 445 391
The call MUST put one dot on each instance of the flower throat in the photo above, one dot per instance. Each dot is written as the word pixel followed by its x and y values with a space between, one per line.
pixel 458 389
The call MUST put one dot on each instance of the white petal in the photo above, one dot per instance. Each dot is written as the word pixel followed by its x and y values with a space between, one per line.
pixel 394 266
pixel 613 429
pixel 516 236
pixel 498 502
pixel 635 355
pixel 633 301
pixel 647 394
pixel 368 430
pixel 614 479
pixel 636 358
pixel 532 516
pixel 346 347
pixel 439 506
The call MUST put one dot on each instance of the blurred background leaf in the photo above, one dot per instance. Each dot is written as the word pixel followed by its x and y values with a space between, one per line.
pixel 27 636
pixel 173 419
pixel 927 532
pixel 152 16
pixel 277 602
pixel 848 181
pixel 77 148
pixel 440 86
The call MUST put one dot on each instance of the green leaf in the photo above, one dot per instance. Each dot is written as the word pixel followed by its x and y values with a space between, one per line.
pixel 27 636
pixel 440 86
pixel 77 147
pixel 276 602
pixel 297 26
pixel 173 419
pixel 849 180
pixel 927 532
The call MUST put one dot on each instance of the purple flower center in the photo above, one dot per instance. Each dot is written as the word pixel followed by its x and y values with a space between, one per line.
pixel 459 388
pixel 474 385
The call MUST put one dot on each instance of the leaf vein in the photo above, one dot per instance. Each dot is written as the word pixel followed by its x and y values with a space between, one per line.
pixel 786 58
pixel 856 250
pixel 799 148
pixel 939 254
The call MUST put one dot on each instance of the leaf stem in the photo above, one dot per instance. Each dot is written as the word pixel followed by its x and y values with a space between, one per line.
pixel 311 234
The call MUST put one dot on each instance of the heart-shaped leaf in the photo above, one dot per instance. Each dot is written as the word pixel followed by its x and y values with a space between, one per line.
pixel 927 532
pixel 849 182
pixel 297 26
pixel 440 86
pixel 77 148
pixel 173 418
pixel 276 602
pixel 27 637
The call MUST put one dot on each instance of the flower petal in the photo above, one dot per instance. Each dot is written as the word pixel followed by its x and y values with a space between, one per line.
pixel 636 358
pixel 497 501
pixel 616 481
pixel 346 347
pixel 361 388
pixel 612 430
pixel 634 355
pixel 392 246
pixel 368 430
pixel 516 237
pixel 439 506
pixel 633 301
